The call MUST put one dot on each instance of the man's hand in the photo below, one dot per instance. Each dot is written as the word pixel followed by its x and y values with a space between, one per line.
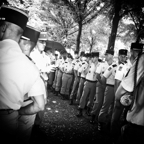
pixel 51 68
pixel 37 105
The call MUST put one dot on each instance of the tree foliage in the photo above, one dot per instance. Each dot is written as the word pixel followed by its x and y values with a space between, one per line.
pixel 83 12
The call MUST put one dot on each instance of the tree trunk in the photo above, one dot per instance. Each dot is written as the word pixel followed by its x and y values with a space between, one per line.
pixel 79 37
pixel 114 28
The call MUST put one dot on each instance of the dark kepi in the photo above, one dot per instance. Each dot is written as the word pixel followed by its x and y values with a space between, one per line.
pixel 30 33
pixel 13 15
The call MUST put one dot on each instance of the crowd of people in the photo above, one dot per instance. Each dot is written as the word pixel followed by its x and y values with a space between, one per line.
pixel 101 87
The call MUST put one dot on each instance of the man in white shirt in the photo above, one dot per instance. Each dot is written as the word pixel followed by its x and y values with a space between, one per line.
pixel 100 87
pixel 81 70
pixel 89 86
pixel 108 101
pixel 127 85
pixel 122 68
pixel 40 58
pixel 18 75
pixel 77 78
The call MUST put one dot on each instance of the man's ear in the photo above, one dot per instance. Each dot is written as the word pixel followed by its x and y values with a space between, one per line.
pixel 4 27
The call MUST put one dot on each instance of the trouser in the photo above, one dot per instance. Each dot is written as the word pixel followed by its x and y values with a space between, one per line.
pixel 80 89
pixel 75 87
pixel 39 117
pixel 51 78
pixel 8 126
pixel 131 134
pixel 66 83
pixel 88 94
pixel 59 80
pixel 99 100
pixel 108 104
pixel 26 123
pixel 55 79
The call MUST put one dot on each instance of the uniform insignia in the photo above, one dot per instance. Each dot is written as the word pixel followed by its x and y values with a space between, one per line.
pixel 109 68
pixel 120 68
pixel 114 65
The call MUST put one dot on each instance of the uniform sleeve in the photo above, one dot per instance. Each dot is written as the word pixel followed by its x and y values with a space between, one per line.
pixel 128 81
pixel 76 66
pixel 37 89
pixel 98 70
pixel 108 72
pixel 119 73
pixel 85 66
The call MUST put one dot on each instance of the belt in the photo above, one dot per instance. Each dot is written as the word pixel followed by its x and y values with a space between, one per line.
pixel 69 73
pixel 139 127
pixel 110 85
pixel 82 78
pixel 60 70
pixel 91 81
pixel 27 99
pixel 6 111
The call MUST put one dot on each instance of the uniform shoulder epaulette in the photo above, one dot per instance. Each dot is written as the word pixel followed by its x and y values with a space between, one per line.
pixel 30 59
pixel 77 60
pixel 114 65
pixel 122 63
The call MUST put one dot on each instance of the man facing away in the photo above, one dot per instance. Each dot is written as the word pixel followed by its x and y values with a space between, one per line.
pixel 18 75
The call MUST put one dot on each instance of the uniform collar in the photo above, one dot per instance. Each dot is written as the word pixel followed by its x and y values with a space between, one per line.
pixel 13 44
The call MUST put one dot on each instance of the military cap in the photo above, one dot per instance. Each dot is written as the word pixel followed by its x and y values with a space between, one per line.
pixel 82 53
pixel 136 46
pixel 123 52
pixel 100 60
pixel 31 34
pixel 109 52
pixel 43 36
pixel 86 54
pixel 95 54
pixel 70 56
pixel 13 15
pixel 76 52
pixel 63 52
pixel 89 54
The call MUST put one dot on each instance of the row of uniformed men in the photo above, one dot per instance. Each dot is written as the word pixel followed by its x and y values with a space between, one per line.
pixel 94 84
pixel 23 92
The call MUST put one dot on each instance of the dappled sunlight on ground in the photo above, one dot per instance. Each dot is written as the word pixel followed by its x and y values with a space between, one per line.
pixel 60 124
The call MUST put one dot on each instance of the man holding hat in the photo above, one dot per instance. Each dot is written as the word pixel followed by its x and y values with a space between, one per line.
pixel 18 75
pixel 89 86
